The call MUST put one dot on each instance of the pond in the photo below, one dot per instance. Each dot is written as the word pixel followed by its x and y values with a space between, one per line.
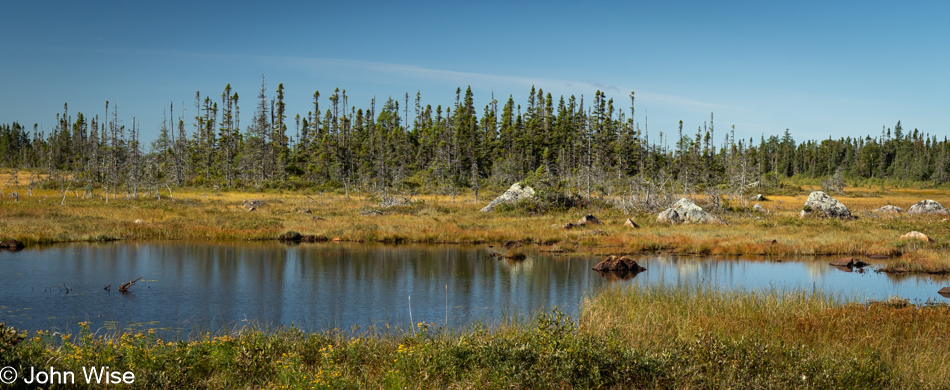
pixel 190 288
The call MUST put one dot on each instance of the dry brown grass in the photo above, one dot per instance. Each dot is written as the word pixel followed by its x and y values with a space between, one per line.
pixel 909 339
pixel 196 214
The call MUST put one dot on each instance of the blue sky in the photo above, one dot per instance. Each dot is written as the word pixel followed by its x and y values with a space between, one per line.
pixel 817 69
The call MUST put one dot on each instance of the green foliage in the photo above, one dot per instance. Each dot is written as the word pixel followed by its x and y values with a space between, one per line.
pixel 550 353
pixel 10 341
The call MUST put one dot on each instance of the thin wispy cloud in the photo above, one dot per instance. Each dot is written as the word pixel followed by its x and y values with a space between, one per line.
pixel 486 80
pixel 361 69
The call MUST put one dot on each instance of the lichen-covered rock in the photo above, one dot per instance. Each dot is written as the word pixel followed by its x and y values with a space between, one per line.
pixel 256 203
pixel 759 209
pixel 759 198
pixel 889 209
pixel 929 207
pixel 514 193
pixel 669 216
pixel 822 204
pixel 915 235
pixel 685 211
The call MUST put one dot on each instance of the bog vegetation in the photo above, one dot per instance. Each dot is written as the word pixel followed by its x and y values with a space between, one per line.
pixel 647 337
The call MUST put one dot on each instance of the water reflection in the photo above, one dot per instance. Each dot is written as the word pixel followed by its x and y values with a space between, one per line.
pixel 190 287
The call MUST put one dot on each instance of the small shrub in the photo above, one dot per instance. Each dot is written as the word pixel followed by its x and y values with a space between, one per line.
pixel 10 341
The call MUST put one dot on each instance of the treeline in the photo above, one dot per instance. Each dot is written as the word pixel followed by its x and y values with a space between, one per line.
pixel 573 146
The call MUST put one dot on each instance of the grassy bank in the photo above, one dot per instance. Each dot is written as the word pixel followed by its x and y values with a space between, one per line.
pixel 626 338
pixel 48 217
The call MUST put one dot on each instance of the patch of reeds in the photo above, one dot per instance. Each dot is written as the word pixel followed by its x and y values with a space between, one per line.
pixel 823 341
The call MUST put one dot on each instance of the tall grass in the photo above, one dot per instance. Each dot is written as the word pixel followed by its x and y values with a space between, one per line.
pixel 634 337
pixel 807 334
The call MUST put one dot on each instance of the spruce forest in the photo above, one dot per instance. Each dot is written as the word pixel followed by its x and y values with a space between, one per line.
pixel 568 146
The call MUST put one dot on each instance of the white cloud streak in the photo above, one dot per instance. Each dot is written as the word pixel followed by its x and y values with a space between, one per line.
pixel 485 80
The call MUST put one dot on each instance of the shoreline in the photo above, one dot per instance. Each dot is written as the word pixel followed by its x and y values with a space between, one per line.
pixel 194 215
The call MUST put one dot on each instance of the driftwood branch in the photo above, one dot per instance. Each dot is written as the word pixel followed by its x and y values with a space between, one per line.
pixel 64 196
pixel 125 287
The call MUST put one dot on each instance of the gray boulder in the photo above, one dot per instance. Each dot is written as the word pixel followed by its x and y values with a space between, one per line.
pixel 889 209
pixel 515 193
pixel 685 211
pixel 669 216
pixel 929 207
pixel 822 204
pixel 759 209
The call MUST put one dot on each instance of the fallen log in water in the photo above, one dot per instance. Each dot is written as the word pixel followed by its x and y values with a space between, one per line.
pixel 125 287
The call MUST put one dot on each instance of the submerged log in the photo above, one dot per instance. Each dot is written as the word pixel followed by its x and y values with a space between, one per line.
pixel 125 287
pixel 517 256
pixel 11 244
pixel 849 263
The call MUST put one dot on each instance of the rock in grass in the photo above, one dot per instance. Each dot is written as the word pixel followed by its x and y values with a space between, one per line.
pixel 589 219
pixel 823 205
pixel 629 223
pixel 513 194
pixel 619 264
pixel 569 226
pixel 256 203
pixel 915 235
pixel 889 209
pixel 669 216
pixel 759 209
pixel 928 207
pixel 685 211
pixel 759 198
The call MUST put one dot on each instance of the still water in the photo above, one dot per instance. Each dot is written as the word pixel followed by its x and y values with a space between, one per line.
pixel 197 287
